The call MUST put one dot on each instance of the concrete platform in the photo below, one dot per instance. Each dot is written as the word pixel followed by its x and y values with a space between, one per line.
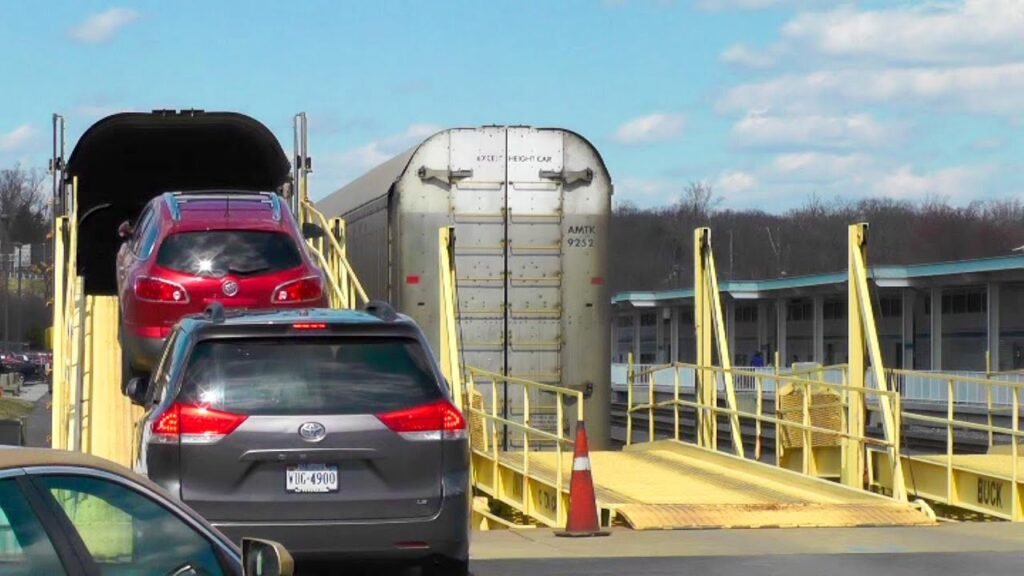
pixel 965 538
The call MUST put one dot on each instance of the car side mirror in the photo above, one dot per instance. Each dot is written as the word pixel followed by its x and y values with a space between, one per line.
pixel 137 390
pixel 265 558
pixel 125 230
pixel 311 231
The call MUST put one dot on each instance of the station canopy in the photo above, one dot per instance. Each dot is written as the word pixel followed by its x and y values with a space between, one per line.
pixel 125 160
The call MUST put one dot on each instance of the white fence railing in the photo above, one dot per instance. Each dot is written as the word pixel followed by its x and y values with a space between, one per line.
pixel 919 388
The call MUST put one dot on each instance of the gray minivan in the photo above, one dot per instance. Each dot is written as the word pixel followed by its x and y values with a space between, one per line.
pixel 330 431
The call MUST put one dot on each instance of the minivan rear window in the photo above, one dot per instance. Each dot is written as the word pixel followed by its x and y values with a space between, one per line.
pixel 331 375
pixel 220 252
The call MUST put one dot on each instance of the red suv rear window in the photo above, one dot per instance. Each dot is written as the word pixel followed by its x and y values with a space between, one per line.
pixel 220 252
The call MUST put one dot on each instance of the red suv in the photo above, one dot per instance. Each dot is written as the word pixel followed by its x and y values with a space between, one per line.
pixel 186 250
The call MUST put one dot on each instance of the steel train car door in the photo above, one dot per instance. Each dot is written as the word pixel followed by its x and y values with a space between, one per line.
pixel 507 208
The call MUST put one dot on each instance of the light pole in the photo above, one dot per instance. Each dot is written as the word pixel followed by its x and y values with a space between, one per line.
pixel 20 315
pixel 7 295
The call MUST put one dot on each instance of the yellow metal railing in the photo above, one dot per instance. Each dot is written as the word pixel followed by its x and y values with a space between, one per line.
pixel 966 478
pixel 330 250
pixel 810 432
pixel 507 476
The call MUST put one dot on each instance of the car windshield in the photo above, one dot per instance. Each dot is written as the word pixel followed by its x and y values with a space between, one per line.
pixel 333 375
pixel 221 252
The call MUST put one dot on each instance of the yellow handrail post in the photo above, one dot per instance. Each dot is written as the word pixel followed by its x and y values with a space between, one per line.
pixel 650 406
pixel 950 394
pixel 988 397
pixel 808 435
pixel 675 399
pixel 1015 496
pixel 630 375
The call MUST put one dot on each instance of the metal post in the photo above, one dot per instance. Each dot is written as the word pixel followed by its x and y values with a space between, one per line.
pixel 853 468
pixel 629 398
pixel 80 361
pixel 869 341
pixel 4 247
pixel 706 387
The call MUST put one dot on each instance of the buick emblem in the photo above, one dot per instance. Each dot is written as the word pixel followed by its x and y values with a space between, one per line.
pixel 312 431
pixel 230 288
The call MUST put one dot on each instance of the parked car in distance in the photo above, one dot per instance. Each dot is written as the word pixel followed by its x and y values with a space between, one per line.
pixel 186 250
pixel 338 422
pixel 66 513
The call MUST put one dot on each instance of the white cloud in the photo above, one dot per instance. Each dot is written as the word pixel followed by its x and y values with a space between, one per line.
pixel 956 183
pixel 17 139
pixel 101 27
pixel 644 187
pixel 821 166
pixel 336 169
pixel 743 55
pixel 378 151
pixel 758 129
pixel 656 127
pixel 757 4
pixel 930 33
pixel 735 181
pixel 978 89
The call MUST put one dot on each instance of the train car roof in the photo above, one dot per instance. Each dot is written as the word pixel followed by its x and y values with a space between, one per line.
pixel 379 180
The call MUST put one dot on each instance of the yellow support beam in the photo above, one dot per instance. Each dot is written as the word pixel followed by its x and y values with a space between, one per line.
pixel 450 362
pixel 864 337
pixel 722 343
pixel 706 382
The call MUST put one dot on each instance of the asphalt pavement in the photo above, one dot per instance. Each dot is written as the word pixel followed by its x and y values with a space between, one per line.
pixel 931 564
pixel 974 549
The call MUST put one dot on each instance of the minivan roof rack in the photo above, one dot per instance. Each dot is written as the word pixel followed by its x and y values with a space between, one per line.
pixel 381 310
pixel 172 205
pixel 214 312
pixel 271 198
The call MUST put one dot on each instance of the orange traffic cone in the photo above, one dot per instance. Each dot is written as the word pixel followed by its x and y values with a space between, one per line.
pixel 583 520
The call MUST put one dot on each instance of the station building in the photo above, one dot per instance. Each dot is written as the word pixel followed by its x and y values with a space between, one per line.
pixel 941 316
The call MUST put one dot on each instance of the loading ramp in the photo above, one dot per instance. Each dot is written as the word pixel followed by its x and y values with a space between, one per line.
pixel 674 485
pixel 523 463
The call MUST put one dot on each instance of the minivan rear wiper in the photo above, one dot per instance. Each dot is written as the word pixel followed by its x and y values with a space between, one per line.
pixel 247 271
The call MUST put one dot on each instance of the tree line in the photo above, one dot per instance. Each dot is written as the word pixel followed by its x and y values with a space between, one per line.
pixel 652 248
pixel 24 219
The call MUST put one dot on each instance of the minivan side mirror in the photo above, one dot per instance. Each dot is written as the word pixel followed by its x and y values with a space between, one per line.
pixel 311 231
pixel 125 230
pixel 137 390
pixel 265 558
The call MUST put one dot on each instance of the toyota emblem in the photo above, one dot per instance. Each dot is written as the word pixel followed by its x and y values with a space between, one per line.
pixel 230 288
pixel 312 431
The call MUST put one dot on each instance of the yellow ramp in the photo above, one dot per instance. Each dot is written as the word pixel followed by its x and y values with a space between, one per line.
pixel 671 485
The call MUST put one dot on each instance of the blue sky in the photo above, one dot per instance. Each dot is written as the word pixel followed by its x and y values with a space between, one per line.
pixel 769 101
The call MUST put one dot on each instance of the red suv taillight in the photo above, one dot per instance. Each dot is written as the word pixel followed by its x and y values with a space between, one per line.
pixel 301 290
pixel 157 290
pixel 432 421
pixel 191 424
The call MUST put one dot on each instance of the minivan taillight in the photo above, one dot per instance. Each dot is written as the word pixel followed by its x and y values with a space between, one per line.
pixel 432 421
pixel 191 424
pixel 301 290
pixel 158 290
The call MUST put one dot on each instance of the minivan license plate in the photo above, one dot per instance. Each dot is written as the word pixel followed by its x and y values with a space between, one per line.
pixel 311 478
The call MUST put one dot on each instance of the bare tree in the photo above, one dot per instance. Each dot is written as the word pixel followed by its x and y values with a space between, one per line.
pixel 23 203
pixel 653 248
